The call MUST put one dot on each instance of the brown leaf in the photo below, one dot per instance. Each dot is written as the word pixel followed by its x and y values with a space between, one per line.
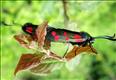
pixel 27 61
pixel 47 65
pixel 77 50
pixel 24 40
pixel 38 63
pixel 47 44
pixel 41 33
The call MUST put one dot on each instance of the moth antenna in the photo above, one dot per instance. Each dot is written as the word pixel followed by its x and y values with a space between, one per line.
pixel 3 23
pixel 13 23
pixel 17 23
pixel 112 38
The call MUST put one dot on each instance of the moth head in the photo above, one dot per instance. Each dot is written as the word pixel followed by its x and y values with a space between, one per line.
pixel 29 28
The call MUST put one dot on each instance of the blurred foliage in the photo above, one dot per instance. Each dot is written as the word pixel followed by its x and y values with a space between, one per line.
pixel 94 17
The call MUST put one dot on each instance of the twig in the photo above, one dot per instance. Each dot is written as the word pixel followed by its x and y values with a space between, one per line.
pixel 66 18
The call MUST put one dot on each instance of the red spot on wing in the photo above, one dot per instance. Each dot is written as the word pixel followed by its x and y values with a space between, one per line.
pixel 53 33
pixel 65 33
pixel 76 36
pixel 67 38
pixel 56 38
pixel 29 29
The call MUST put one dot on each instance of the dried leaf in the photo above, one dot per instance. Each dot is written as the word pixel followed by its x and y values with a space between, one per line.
pixel 77 50
pixel 27 61
pixel 47 65
pixel 38 63
pixel 41 33
pixel 47 44
pixel 24 40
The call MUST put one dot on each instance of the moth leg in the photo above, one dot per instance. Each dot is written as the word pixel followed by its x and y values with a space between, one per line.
pixel 94 51
pixel 84 44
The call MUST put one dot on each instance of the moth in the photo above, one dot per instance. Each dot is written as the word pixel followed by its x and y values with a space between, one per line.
pixel 64 35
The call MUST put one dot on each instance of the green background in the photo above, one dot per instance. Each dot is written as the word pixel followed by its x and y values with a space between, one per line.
pixel 94 17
